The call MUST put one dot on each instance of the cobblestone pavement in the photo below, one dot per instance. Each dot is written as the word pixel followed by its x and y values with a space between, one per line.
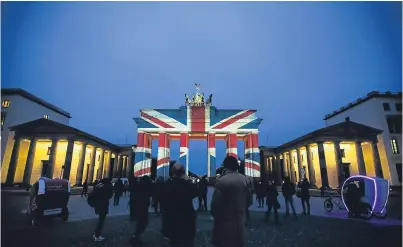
pixel 304 231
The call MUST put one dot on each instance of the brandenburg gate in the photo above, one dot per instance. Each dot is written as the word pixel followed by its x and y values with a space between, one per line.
pixel 198 119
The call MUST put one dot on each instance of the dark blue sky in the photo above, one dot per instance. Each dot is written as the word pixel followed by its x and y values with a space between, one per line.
pixel 292 61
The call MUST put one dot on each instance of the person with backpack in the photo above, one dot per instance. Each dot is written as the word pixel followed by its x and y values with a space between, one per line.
pixel 288 189
pixel 99 200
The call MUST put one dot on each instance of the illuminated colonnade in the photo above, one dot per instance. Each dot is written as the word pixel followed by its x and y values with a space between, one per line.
pixel 329 155
pixel 34 152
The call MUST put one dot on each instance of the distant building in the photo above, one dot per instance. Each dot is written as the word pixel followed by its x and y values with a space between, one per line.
pixel 36 140
pixel 382 111
pixel 363 137
pixel 18 106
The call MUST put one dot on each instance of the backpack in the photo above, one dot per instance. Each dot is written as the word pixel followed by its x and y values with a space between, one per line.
pixel 91 200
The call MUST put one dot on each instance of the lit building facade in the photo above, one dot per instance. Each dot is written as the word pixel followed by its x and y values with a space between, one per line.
pixel 382 111
pixel 325 156
pixel 18 106
pixel 37 141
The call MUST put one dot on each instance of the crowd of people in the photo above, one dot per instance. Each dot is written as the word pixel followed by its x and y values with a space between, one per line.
pixel 173 199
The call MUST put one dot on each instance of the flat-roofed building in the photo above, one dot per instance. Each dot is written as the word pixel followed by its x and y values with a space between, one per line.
pixel 382 111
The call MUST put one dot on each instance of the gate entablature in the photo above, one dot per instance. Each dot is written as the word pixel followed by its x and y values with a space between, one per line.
pixel 198 119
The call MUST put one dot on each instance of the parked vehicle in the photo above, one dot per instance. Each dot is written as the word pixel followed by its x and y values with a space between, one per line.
pixel 48 197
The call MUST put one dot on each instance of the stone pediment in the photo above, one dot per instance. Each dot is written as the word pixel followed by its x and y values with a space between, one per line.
pixel 42 126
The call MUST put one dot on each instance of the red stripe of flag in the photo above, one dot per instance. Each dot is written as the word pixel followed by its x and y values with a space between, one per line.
pixel 163 161
pixel 142 171
pixel 252 166
pixel 156 120
pixel 234 119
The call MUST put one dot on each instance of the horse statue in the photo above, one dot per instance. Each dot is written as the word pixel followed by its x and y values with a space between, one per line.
pixel 187 101
pixel 209 100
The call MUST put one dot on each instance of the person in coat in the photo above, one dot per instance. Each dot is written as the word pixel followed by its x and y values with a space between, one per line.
pixel 179 216
pixel 102 192
pixel 288 189
pixel 119 187
pixel 203 193
pixel 131 189
pixel 85 189
pixel 142 193
pixel 157 194
pixel 230 200
pixel 304 193
pixel 272 202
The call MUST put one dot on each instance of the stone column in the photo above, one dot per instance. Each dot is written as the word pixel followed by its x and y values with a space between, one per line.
pixel 142 155
pixel 286 164
pixel 13 161
pixel 252 154
pixel 67 160
pixel 232 149
pixel 101 165
pixel 278 170
pixel 339 163
pixel 80 168
pixel 115 165
pixel 299 160
pixel 322 164
pixel 312 179
pixel 30 161
pixel 211 150
pixel 270 168
pixel 163 155
pixel 292 168
pixel 360 159
pixel 377 160
pixel 129 167
pixel 92 166
pixel 184 151
pixel 52 158
pixel 124 161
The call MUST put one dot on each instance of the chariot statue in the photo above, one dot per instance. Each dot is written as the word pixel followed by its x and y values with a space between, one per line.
pixel 198 98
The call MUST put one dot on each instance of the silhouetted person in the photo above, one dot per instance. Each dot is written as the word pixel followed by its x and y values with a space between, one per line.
pixel 272 202
pixel 132 187
pixel 125 187
pixel 352 199
pixel 102 193
pixel 141 193
pixel 230 200
pixel 85 189
pixel 203 193
pixel 157 195
pixel 260 194
pixel 119 187
pixel 288 190
pixel 179 217
pixel 304 186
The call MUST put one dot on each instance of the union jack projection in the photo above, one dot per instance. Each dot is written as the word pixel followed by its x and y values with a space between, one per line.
pixel 196 122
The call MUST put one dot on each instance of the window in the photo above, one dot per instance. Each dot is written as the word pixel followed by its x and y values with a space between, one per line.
pixel 3 119
pixel 5 104
pixel 398 106
pixel 46 116
pixel 399 171
pixel 49 150
pixel 343 154
pixel 394 124
pixel 312 156
pixel 99 157
pixel 395 146
pixel 386 107
pixel 293 159
pixel 302 157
